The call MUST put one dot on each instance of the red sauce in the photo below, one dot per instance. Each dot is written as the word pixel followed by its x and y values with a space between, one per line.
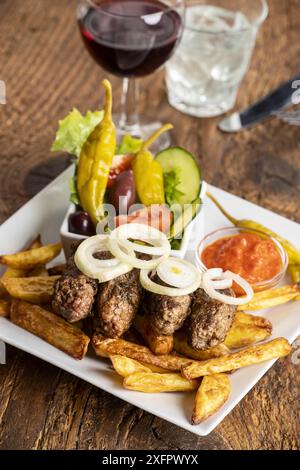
pixel 247 254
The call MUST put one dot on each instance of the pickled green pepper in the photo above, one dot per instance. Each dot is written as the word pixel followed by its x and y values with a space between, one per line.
pixel 95 161
pixel 294 272
pixel 293 253
pixel 148 173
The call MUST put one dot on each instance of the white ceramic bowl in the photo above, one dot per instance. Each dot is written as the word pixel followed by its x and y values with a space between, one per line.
pixel 68 238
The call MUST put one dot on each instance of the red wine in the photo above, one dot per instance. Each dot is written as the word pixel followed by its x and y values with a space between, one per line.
pixel 130 38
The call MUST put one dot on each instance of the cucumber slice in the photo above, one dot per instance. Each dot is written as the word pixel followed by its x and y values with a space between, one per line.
pixel 181 174
pixel 185 218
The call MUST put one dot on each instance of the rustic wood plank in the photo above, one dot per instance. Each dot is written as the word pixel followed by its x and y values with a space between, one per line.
pixel 47 72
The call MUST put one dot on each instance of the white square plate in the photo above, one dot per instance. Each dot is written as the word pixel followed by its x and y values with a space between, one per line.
pixel 44 214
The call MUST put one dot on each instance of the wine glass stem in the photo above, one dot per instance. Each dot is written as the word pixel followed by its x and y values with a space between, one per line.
pixel 129 120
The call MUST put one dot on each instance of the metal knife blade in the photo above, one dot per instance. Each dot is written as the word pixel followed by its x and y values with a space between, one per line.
pixel 262 109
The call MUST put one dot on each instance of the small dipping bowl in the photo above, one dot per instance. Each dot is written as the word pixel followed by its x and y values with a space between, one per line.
pixel 231 231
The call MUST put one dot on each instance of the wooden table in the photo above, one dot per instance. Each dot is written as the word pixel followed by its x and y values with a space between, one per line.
pixel 47 72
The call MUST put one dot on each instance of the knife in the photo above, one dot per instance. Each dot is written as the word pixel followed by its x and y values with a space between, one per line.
pixel 265 107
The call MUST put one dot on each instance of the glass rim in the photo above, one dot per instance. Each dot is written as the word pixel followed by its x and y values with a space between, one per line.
pixel 254 24
pixel 177 4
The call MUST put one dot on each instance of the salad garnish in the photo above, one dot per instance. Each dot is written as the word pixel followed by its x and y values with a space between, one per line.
pixel 74 130
pixel 166 186
pixel 95 161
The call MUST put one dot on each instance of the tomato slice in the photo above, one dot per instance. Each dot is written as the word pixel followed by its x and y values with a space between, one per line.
pixel 157 216
pixel 120 163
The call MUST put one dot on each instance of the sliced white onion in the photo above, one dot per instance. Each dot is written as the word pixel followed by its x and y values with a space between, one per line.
pixel 218 280
pixel 240 281
pixel 102 270
pixel 157 250
pixel 214 273
pixel 207 285
pixel 222 284
pixel 91 246
pixel 178 273
pixel 152 286
pixel 118 241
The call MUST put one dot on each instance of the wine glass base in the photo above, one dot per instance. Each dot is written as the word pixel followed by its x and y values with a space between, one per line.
pixel 143 130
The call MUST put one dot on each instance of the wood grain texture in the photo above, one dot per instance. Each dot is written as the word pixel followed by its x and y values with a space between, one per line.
pixel 47 72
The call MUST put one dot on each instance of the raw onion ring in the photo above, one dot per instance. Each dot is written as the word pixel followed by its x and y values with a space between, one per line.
pixel 102 270
pixel 118 241
pixel 208 286
pixel 152 286
pixel 178 273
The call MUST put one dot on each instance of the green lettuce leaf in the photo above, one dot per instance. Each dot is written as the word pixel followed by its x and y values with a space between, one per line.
pixel 171 182
pixel 74 130
pixel 74 196
pixel 129 145
pixel 176 244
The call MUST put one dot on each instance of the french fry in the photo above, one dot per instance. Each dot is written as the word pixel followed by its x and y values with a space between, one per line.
pixel 13 272
pixel 4 308
pixel 32 258
pixel 105 347
pixel 249 319
pixel 125 366
pixel 242 336
pixel 17 272
pixel 274 349
pixel 272 298
pixel 158 370
pixel 247 330
pixel 9 274
pixel 50 328
pixel 39 271
pixel 159 344
pixel 3 292
pixel 149 382
pixel 213 392
pixel 181 346
pixel 32 289
pixel 36 243
pixel 133 336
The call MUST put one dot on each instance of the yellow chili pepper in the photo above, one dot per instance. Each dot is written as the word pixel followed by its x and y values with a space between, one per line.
pixel 148 173
pixel 293 253
pixel 95 161
pixel 294 272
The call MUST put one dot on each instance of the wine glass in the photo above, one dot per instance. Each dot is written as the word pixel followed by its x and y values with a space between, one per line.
pixel 131 39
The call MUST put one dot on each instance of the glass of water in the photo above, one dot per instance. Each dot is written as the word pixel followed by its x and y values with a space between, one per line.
pixel 214 55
